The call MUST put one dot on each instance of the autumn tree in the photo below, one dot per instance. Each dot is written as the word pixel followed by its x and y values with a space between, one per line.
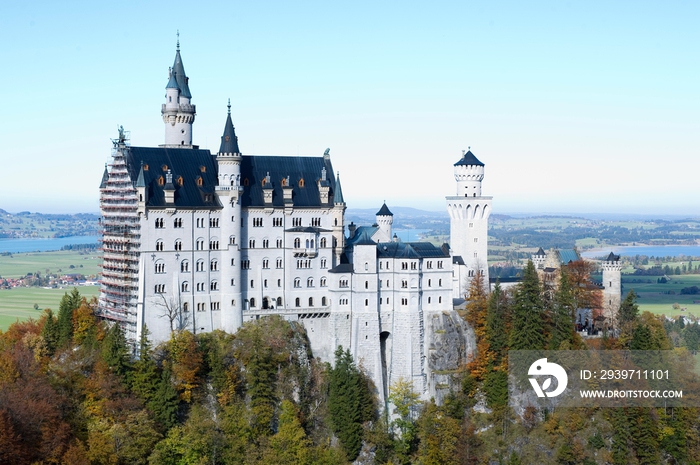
pixel 477 307
pixel 405 402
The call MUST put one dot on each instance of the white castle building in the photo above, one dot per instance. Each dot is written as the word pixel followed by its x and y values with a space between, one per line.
pixel 200 241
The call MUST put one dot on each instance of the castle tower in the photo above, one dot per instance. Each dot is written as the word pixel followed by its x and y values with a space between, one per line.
pixel 338 221
pixel 229 190
pixel 178 113
pixel 539 258
pixel 612 271
pixel 469 214
pixel 384 220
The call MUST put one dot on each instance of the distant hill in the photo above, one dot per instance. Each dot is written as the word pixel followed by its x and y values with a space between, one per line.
pixel 407 212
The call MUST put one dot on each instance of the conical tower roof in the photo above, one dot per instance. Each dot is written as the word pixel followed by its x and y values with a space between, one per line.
pixel 384 211
pixel 469 159
pixel 338 192
pixel 179 73
pixel 229 141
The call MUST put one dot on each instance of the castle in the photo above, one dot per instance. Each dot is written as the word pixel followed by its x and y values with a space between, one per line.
pixel 200 241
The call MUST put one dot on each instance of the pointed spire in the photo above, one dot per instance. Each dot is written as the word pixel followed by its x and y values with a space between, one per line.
pixel 384 211
pixel 229 141
pixel 338 191
pixel 179 72
pixel 105 177
pixel 141 182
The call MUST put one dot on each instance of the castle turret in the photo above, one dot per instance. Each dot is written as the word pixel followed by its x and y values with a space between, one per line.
pixel 229 190
pixel 338 220
pixel 384 220
pixel 469 213
pixel 612 286
pixel 178 113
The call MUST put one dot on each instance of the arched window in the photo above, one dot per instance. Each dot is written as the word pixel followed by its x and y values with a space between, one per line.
pixel 186 307
pixel 312 243
pixel 324 283
pixel 185 266
pixel 297 243
pixel 279 301
pixel 200 265
pixel 214 265
pixel 428 299
pixel 160 267
pixel 159 245
pixel 252 303
pixel 323 302
pixel 297 302
pixel 310 282
pixel 214 286
pixel 232 240
pixel 185 287
pixel 311 301
pixel 366 284
pixel 297 282
pixel 178 244
pixel 307 243
pixel 323 242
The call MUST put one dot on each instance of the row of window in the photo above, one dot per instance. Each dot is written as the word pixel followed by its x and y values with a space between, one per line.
pixel 310 282
pixel 213 245
pixel 385 265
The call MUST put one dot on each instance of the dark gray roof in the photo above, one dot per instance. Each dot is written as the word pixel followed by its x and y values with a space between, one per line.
pixel 458 260
pixel 188 164
pixel 307 229
pixel 362 233
pixel 255 168
pixel 410 250
pixel 540 252
pixel 338 191
pixel 105 177
pixel 469 159
pixel 229 141
pixel 612 258
pixel 342 268
pixel 384 211
pixel 172 83
pixel 180 76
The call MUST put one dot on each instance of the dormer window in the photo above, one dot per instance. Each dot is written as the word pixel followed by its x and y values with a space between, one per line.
pixel 199 181
pixel 161 181
pixel 283 182
pixel 179 181
pixel 246 182
pixel 145 167
pixel 203 169
pixel 301 182
pixel 165 167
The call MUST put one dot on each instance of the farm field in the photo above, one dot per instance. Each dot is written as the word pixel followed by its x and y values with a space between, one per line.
pixel 658 299
pixel 19 264
pixel 18 303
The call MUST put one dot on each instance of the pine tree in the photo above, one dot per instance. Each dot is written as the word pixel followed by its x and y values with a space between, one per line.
pixel 164 404
pixel 563 309
pixel 115 352
pixel 344 403
pixel 629 310
pixel 621 435
pixel 49 333
pixel 145 376
pixel 528 329
pixel 69 303
pixel 261 378
pixel 644 436
pixel 496 324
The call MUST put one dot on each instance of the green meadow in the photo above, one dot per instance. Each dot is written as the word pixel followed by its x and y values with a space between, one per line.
pixel 17 265
pixel 18 303
pixel 660 298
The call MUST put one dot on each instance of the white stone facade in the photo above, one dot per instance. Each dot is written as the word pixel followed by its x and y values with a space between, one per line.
pixel 229 238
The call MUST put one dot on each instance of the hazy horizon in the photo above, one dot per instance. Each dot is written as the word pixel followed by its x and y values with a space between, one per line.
pixel 572 107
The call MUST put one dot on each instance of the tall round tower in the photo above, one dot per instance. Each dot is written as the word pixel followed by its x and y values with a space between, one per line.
pixel 469 214
pixel 384 220
pixel 178 113
pixel 612 287
pixel 229 190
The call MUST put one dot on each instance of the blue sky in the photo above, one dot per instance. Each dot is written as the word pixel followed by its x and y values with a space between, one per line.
pixel 573 106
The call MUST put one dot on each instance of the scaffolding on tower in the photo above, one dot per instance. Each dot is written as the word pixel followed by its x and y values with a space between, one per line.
pixel 120 243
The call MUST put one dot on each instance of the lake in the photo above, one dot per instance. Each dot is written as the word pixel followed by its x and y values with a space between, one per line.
pixel 410 235
pixel 648 250
pixel 43 244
